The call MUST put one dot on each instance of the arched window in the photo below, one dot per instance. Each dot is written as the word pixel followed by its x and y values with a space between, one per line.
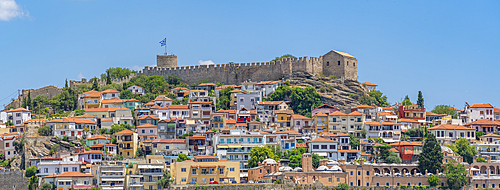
pixel 327 63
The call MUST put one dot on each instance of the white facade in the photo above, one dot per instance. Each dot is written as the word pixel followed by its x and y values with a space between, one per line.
pixel 48 168
pixel 479 111
pixel 137 90
pixel 450 133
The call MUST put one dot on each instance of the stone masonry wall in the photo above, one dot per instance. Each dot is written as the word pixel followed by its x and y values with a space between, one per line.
pixel 13 179
pixel 331 63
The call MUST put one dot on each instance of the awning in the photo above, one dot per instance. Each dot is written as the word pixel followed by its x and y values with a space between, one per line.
pixel 322 154
pixel 208 166
pixel 149 166
pixel 222 146
pixel 234 146
pixel 112 179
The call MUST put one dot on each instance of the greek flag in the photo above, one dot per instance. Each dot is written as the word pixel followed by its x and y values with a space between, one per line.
pixel 163 42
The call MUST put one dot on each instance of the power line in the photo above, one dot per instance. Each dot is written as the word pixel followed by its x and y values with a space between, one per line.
pixel 8 96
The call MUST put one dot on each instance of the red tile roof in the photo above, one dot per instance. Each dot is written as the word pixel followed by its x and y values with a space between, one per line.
pixel 99 137
pixel 110 91
pixel 322 140
pixel 484 105
pixel 146 125
pixel 96 109
pixel 17 109
pixel 178 107
pixel 75 174
pixel 336 113
pixel 450 127
pixel 124 132
pixel 368 84
pixel 72 120
pixel 271 102
pixel 355 113
pixel 169 141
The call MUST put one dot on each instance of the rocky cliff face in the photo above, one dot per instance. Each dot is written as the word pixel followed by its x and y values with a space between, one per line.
pixel 342 94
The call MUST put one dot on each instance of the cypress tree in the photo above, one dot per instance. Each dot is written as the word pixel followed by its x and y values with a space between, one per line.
pixel 431 157
pixel 28 102
pixel 108 77
pixel 66 85
pixel 95 85
pixel 420 100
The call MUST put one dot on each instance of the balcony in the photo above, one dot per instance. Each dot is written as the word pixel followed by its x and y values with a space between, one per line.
pixel 111 184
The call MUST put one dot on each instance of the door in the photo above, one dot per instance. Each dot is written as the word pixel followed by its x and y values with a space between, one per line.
pixel 72 133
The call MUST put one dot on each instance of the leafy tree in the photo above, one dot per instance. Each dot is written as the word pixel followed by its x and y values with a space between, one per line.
pixel 31 171
pixel 79 112
pixel 420 99
pixel 354 142
pixel 118 73
pixel 393 158
pixel 66 84
pixel 302 99
pixel 456 176
pixel 406 101
pixel 46 186
pixel 173 80
pixel 295 156
pixel 464 149
pixel 378 98
pixel 315 160
pixel 115 128
pixel 342 186
pixel 139 153
pixel 126 94
pixel 108 77
pixel 259 154
pixel 416 132
pixel 95 84
pixel 191 133
pixel 479 134
pixel 365 99
pixel 224 98
pixel 39 102
pixel 283 56
pixel 480 159
pixel 431 157
pixel 433 180
pixel 45 131
pixel 444 109
pixel 165 181
pixel 147 97
pixel 181 157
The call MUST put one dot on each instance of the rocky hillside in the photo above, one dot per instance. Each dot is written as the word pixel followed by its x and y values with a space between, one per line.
pixel 342 94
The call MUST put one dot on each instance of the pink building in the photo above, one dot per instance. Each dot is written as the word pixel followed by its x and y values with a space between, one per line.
pixel 147 131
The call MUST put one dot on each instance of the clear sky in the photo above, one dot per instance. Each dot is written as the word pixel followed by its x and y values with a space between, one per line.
pixel 447 49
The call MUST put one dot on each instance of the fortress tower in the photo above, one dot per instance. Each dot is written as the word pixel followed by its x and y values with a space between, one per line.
pixel 166 61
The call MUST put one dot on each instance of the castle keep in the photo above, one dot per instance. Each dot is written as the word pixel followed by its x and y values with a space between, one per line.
pixel 340 64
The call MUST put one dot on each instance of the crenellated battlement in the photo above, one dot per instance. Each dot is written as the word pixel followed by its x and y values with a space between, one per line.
pixel 235 73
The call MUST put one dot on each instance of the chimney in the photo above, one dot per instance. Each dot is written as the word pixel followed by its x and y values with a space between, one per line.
pixel 488 159
pixel 307 162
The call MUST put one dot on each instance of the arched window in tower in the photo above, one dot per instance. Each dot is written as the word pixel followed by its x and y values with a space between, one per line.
pixel 339 62
pixel 354 64
pixel 327 63
pixel 347 63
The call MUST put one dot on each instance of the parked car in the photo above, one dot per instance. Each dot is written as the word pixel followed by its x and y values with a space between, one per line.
pixel 214 182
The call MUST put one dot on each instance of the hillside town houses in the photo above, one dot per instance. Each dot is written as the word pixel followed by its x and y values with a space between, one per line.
pixel 218 143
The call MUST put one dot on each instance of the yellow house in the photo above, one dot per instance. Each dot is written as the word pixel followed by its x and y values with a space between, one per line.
pixel 145 174
pixel 233 97
pixel 98 112
pixel 320 121
pixel 127 143
pixel 205 168
pixel 92 100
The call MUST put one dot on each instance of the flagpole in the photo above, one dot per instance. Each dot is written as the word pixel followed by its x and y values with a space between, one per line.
pixel 165 46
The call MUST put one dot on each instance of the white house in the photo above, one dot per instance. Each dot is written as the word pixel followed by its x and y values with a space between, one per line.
pixel 109 93
pixel 408 123
pixel 479 111
pixel 18 116
pixel 324 147
pixel 163 101
pixel 58 167
pixel 450 133
pixel 137 90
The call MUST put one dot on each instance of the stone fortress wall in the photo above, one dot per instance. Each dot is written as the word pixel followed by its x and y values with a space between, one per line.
pixel 340 64
pixel 102 82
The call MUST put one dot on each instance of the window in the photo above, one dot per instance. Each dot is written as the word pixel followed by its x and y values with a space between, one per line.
pixel 387 184
pixel 57 170
pixel 378 184
pixel 65 169
pixel 183 169
pixel 397 184
pixel 193 171
pixel 315 146
pixel 367 184
pixel 183 179
pixel 484 185
pixel 45 170
pixel 329 179
pixel 419 183
pixel 409 184
pixel 359 172
pixel 151 131
pixel 352 173
pixel 68 183
pixel 367 172
pixel 74 169
pixel 231 169
pixel 62 183
pixel 339 62
pixel 332 146
pixel 6 144
pixel 352 184
pixel 143 131
pixel 354 64
pixel 324 146
pixel 338 179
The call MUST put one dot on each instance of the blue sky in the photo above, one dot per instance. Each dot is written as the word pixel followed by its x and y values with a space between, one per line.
pixel 448 50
